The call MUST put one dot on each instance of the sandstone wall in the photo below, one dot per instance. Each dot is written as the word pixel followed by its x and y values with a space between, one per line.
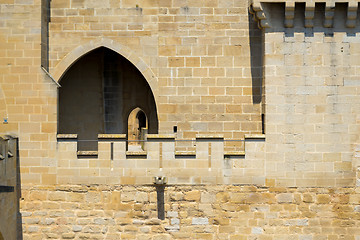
pixel 191 212
pixel 311 96
pixel 202 60
pixel 197 52
pixel 209 163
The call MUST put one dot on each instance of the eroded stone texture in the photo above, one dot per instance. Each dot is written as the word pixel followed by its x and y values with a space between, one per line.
pixel 121 216
pixel 215 77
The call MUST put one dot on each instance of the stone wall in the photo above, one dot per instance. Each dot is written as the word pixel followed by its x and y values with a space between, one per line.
pixel 204 62
pixel 198 53
pixel 311 95
pixel 201 59
pixel 191 212
pixel 208 163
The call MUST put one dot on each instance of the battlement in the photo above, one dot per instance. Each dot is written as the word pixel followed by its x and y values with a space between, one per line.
pixel 308 14
pixel 113 163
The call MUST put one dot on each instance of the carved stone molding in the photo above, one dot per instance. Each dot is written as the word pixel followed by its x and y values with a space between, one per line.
pixel 329 15
pixel 262 10
pixel 289 14
pixel 309 14
pixel 257 11
pixel 352 15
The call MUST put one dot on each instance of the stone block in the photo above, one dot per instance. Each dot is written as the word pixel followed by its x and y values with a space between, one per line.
pixel 200 221
pixel 285 198
pixel 192 195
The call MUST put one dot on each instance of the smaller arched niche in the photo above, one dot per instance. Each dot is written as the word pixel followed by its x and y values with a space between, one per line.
pixel 137 129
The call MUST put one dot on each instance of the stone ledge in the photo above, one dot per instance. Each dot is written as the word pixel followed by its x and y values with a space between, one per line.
pixel 137 153
pixel 87 153
pixel 67 136
pixel 185 153
pixel 234 154
pixel 254 136
pixel 111 136
pixel 160 136
pixel 210 136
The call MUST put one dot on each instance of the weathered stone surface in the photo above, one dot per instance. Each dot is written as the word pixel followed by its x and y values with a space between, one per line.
pixel 200 221
pixel 192 195
pixel 235 209
pixel 212 74
pixel 285 198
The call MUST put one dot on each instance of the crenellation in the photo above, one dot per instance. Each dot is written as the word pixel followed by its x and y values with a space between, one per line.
pixel 253 129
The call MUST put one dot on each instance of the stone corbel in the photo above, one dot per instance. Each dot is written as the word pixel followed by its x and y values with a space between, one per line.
pixel 289 14
pixel 351 14
pixel 259 15
pixel 309 14
pixel 329 15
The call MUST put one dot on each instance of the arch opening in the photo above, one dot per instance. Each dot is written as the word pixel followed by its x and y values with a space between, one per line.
pixel 98 92
pixel 137 130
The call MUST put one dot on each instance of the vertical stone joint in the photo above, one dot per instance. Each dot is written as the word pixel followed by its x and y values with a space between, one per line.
pixel 257 11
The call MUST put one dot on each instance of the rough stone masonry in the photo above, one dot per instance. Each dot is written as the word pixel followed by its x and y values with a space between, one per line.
pixel 250 116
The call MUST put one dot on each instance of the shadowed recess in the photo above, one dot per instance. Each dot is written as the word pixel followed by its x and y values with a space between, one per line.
pixel 97 95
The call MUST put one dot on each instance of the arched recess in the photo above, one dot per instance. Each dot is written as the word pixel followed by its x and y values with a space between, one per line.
pixel 64 65
pixel 98 91
pixel 137 127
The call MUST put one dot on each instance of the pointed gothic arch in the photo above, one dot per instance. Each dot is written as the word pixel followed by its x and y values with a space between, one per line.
pixel 98 90
pixel 69 59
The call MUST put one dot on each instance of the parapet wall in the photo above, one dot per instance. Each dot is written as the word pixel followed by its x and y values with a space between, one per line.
pixel 208 163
